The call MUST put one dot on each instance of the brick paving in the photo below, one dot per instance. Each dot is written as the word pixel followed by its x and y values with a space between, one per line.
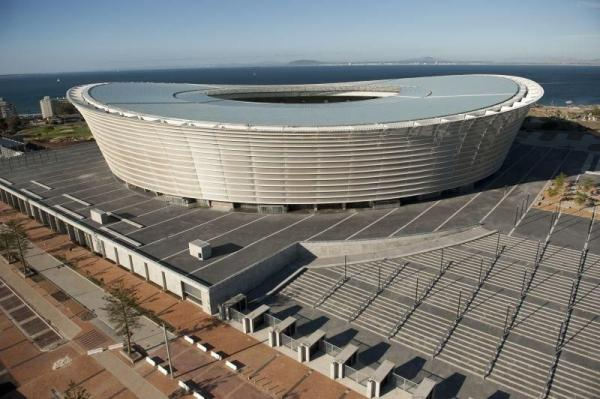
pixel 29 322
pixel 32 368
pixel 281 376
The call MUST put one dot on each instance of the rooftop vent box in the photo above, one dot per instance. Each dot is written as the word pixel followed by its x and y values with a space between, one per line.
pixel 99 216
pixel 200 249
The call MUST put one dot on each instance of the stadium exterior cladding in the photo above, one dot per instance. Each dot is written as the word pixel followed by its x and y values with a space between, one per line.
pixel 438 136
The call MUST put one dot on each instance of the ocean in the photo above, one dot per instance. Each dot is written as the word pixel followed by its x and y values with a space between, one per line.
pixel 563 85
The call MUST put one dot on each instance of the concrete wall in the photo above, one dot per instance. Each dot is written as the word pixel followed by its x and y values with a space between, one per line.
pixel 326 249
pixel 173 279
pixel 253 275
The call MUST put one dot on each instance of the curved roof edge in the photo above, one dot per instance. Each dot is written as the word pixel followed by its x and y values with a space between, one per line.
pixel 529 93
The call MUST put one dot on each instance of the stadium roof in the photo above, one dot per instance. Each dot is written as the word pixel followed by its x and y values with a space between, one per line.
pixel 387 101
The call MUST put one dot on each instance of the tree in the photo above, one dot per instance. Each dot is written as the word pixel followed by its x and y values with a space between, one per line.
pixel 13 123
pixel 18 237
pixel 122 307
pixel 8 246
pixel 76 392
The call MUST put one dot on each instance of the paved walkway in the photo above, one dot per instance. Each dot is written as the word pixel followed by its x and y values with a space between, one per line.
pixel 274 375
pixel 89 295
pixel 56 318
pixel 129 378
pixel 108 360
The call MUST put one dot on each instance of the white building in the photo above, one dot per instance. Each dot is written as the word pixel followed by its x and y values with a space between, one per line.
pixel 53 107
pixel 46 107
pixel 7 109
pixel 277 148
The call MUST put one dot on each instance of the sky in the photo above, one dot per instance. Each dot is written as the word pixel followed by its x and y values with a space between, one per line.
pixel 81 35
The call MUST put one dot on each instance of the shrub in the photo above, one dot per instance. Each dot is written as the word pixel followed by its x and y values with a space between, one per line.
pixel 552 191
pixel 581 198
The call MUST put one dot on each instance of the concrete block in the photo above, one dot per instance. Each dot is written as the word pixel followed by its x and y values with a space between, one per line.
pixel 370 389
pixel 246 325
pixel 333 367
pixel 150 361
pixel 115 346
pixel 198 395
pixel 272 338
pixel 162 370
pixel 231 365
pixel 94 351
pixel 216 355
pixel 200 249
pixel 301 353
pixel 189 339
pixel 203 347
pixel 183 385
pixel 99 216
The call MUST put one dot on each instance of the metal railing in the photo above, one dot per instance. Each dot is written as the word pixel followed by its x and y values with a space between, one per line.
pixel 356 375
pixel 403 383
pixel 235 315
pixel 329 348
pixel 270 320
pixel 289 342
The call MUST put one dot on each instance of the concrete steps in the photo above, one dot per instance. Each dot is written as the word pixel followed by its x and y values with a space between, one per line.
pixel 575 381
pixel 522 369
pixel 555 257
pixel 469 349
pixel 308 287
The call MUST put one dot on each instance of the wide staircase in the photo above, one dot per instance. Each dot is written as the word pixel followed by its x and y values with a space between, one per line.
pixel 483 307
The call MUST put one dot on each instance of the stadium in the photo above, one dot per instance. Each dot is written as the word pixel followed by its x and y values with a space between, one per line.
pixel 462 293
pixel 286 147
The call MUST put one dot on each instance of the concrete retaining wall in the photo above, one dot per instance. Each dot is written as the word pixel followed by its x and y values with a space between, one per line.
pixel 253 275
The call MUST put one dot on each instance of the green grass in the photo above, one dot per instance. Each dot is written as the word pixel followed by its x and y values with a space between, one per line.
pixel 77 130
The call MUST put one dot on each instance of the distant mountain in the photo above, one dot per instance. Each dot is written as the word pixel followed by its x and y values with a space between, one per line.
pixel 421 61
pixel 438 61
pixel 305 62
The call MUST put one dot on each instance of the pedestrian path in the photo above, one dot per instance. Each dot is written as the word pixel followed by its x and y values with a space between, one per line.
pixel 58 320
pixel 132 380
pixel 38 330
pixel 148 336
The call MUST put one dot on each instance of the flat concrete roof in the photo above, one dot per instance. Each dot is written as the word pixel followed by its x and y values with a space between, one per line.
pixel 396 100
pixel 78 179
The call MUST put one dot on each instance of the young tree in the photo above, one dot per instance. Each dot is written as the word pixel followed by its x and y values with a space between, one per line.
pixel 18 236
pixel 122 308
pixel 8 246
pixel 76 392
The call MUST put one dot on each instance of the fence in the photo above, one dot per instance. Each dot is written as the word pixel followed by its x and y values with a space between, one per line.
pixel 403 383
pixel 289 342
pixel 356 375
pixel 235 315
pixel 329 348
pixel 271 320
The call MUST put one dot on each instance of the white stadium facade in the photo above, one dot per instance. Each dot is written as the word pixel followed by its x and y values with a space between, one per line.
pixel 280 148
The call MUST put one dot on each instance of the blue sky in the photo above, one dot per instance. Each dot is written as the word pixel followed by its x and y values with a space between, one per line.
pixel 65 35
